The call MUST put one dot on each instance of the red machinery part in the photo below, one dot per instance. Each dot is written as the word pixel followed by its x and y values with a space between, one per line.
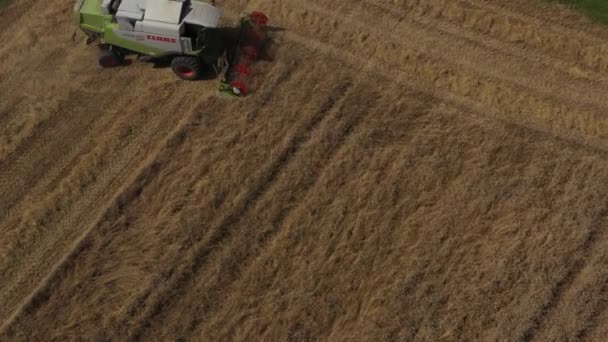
pixel 242 69
pixel 251 42
pixel 258 18
pixel 249 52
pixel 239 88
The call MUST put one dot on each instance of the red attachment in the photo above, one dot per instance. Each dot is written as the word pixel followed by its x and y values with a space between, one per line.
pixel 253 36
pixel 258 18
pixel 240 87
pixel 251 43
pixel 185 71
pixel 242 69
pixel 249 52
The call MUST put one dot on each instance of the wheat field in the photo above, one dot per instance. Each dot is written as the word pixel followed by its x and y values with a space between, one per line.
pixel 405 170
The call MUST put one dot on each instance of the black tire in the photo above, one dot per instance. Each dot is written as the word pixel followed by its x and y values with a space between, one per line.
pixel 187 68
pixel 109 58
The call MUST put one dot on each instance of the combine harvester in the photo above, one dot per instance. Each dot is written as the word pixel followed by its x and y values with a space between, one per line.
pixel 185 32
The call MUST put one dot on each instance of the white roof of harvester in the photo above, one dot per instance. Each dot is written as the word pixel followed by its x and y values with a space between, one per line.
pixel 203 14
pixel 170 11
pixel 167 11
pixel 133 9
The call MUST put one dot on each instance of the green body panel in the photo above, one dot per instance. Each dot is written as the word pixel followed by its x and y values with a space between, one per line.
pixel 90 17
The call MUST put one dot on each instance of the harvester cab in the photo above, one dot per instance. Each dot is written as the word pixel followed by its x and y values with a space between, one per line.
pixel 185 32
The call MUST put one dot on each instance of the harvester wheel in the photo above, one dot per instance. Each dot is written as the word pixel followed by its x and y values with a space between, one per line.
pixel 187 68
pixel 108 58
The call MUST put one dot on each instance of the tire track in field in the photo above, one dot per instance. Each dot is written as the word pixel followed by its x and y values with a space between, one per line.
pixel 31 72
pixel 239 304
pixel 349 117
pixel 587 250
pixel 62 192
pixel 222 230
pixel 49 172
pixel 281 73
pixel 6 107
pixel 597 315
pixel 269 90
pixel 49 249
pixel 38 153
pixel 343 119
pixel 49 156
pixel 15 188
pixel 516 104
pixel 466 49
pixel 281 76
pixel 46 186
pixel 267 94
pixel 516 14
pixel 479 40
pixel 123 141
pixel 582 306
pixel 117 209
pixel 38 106
pixel 127 192
pixel 583 51
pixel 466 106
pixel 576 22
pixel 13 12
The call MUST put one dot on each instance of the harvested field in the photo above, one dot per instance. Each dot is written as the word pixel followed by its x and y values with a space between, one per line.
pixel 405 170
